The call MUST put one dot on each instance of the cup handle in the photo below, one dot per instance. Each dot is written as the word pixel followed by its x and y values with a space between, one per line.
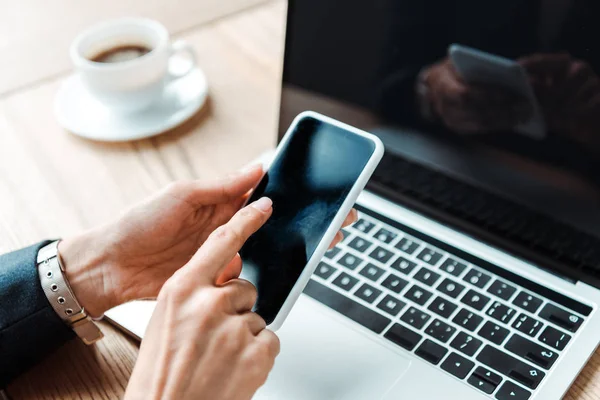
pixel 180 47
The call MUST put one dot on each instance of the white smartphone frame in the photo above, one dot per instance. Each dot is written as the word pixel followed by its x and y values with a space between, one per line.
pixel 338 220
pixel 499 71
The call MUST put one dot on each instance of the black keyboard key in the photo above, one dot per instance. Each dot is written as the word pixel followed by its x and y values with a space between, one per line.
pixel 493 333
pixel 350 261
pixel 440 330
pixel 382 255
pixel 502 289
pixel 560 317
pixel 415 318
pixel 527 302
pixel 488 375
pixel 385 236
pixel 371 272
pixel 554 338
pixel 359 244
pixel 346 233
pixel 467 319
pixel 453 267
pixel 508 365
pixel 363 226
pixel 394 283
pixel 539 355
pixel 510 391
pixel 466 343
pixel 450 288
pixel 357 312
pixel 408 245
pixel 403 265
pixel 403 336
pixel 477 278
pixel 345 281
pixel 442 307
pixel 500 312
pixel 331 253
pixel 431 351
pixel 457 365
pixel 528 325
pixel 426 276
pixel 324 270
pixel 475 300
pixel 418 295
pixel 391 305
pixel 367 293
pixel 481 384
pixel 430 256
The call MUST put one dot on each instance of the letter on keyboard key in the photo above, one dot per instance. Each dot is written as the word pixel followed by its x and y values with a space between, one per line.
pixel 391 305
pixel 382 255
pixel 371 272
pixel 349 261
pixel 367 292
pixel 508 365
pixel 345 281
pixel 394 283
pixel 430 256
pixel 359 244
pixel 431 351
pixel 403 336
pixel 442 307
pixel 531 351
pixel 475 300
pixel 560 317
pixel 351 309
pixel 324 270
pixel 385 236
pixel 453 267
pixel 417 294
pixel 457 365
pixel 427 276
pixel 407 245
pixel 363 226
pixel 510 391
pixel 450 288
pixel 477 278
pixel 403 265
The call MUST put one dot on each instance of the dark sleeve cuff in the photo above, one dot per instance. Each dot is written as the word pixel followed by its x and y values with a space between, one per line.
pixel 29 327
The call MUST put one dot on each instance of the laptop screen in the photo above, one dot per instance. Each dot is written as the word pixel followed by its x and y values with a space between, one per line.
pixel 509 119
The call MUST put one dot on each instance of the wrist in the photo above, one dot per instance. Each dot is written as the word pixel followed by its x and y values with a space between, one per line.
pixel 86 260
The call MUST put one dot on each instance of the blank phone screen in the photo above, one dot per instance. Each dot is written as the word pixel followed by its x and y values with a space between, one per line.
pixel 308 182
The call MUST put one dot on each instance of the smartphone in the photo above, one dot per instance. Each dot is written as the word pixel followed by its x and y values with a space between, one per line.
pixel 320 167
pixel 476 66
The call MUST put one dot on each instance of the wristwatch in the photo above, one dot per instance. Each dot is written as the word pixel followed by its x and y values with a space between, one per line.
pixel 61 297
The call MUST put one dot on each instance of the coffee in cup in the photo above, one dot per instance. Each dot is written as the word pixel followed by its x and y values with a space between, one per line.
pixel 124 63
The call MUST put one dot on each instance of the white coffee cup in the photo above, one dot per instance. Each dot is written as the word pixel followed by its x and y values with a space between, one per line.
pixel 132 85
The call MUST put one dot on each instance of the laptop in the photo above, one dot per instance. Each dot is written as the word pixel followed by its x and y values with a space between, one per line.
pixel 473 271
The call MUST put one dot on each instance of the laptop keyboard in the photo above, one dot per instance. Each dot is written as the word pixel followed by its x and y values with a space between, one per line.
pixel 496 335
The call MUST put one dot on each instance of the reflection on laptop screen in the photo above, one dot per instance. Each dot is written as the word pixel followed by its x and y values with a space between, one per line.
pixel 455 142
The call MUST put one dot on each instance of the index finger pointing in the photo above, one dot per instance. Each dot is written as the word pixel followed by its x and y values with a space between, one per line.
pixel 224 243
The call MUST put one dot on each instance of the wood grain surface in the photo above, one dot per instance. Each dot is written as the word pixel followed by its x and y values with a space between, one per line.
pixel 53 184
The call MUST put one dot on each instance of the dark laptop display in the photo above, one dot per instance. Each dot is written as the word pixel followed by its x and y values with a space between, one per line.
pixel 453 149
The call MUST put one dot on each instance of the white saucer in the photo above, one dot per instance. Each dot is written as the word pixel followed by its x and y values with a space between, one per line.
pixel 82 115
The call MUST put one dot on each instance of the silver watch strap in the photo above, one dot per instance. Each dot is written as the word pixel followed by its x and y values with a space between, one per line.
pixel 61 297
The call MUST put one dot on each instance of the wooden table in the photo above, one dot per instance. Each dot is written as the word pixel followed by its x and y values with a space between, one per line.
pixel 54 184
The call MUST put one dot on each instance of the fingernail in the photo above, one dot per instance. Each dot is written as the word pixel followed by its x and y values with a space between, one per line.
pixel 263 204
